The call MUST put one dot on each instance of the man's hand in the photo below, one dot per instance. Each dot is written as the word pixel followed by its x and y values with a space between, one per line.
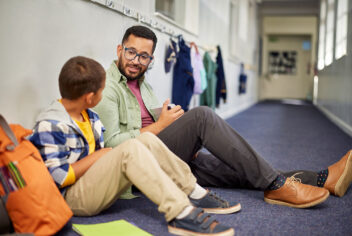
pixel 166 118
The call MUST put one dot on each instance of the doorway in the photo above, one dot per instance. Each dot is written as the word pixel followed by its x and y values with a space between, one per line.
pixel 287 67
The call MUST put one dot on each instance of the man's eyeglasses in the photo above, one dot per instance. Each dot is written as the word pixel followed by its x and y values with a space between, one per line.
pixel 143 58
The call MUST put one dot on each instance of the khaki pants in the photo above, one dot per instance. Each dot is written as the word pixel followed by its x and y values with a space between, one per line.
pixel 144 162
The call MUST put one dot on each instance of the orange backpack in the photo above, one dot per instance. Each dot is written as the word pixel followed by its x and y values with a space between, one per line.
pixel 34 203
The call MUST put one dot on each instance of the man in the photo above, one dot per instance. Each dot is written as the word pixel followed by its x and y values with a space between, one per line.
pixel 127 110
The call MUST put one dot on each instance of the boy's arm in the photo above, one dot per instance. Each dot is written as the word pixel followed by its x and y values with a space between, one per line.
pixel 51 143
pixel 80 167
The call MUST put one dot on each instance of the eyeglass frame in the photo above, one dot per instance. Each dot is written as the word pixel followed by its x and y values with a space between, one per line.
pixel 137 55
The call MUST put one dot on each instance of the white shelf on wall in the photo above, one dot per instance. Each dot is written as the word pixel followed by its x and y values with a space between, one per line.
pixel 141 18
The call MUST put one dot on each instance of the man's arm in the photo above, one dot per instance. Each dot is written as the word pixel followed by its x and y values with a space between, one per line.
pixel 166 118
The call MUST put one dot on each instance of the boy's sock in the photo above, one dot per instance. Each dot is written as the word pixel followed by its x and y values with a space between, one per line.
pixel 198 192
pixel 322 177
pixel 185 212
pixel 277 183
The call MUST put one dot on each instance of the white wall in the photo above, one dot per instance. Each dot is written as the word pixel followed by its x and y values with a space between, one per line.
pixel 39 36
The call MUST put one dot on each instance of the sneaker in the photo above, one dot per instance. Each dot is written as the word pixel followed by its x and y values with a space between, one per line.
pixel 198 223
pixel 295 194
pixel 340 175
pixel 211 203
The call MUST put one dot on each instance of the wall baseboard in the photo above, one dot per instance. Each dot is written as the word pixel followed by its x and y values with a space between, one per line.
pixel 336 120
pixel 231 112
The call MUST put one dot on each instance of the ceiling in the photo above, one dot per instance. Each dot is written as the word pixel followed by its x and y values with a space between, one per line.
pixel 288 7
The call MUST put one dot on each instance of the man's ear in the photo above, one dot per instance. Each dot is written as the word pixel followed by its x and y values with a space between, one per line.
pixel 119 50
pixel 89 98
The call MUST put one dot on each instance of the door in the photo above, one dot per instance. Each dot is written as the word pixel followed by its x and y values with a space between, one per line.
pixel 286 68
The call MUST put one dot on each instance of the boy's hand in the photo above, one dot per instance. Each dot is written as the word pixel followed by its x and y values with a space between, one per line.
pixel 80 167
pixel 168 116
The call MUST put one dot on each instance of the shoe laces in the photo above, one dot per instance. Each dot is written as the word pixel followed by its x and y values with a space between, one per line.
pixel 293 179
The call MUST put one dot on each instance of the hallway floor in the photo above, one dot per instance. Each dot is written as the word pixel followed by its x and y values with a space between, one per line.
pixel 289 137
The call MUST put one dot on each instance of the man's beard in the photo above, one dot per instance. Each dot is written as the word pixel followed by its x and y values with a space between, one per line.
pixel 129 78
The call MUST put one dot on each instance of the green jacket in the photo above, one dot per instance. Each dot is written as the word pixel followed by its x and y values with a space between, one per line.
pixel 119 109
pixel 207 98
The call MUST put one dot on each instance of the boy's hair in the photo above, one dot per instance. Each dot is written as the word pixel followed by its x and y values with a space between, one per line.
pixel 142 32
pixel 80 75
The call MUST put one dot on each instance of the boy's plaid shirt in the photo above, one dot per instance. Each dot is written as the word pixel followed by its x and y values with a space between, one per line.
pixel 62 143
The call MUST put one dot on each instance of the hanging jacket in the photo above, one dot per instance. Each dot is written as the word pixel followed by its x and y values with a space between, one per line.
pixel 199 73
pixel 221 82
pixel 170 56
pixel 242 81
pixel 183 82
pixel 208 96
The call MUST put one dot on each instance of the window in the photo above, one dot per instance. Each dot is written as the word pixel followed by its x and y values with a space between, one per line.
pixel 166 7
pixel 182 13
pixel 243 15
pixel 329 43
pixel 242 25
pixel 233 27
pixel 321 49
pixel 341 29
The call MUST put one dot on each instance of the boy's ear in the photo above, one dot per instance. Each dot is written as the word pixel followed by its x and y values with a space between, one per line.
pixel 89 98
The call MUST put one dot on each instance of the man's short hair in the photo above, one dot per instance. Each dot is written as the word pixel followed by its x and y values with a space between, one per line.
pixel 142 32
pixel 80 75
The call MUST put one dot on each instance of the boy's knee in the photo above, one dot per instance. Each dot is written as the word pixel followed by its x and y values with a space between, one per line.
pixel 89 211
pixel 126 149
pixel 147 135
pixel 128 144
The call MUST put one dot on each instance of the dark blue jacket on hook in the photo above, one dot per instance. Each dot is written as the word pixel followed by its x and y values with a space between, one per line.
pixel 183 82
pixel 170 56
pixel 221 83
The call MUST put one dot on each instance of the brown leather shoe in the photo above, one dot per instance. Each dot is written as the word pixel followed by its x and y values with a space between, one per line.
pixel 295 194
pixel 340 175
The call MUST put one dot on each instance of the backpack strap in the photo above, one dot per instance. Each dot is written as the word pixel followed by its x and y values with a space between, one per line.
pixel 5 126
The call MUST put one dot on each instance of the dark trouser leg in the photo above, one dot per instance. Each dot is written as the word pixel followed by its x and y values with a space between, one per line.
pixel 201 127
pixel 223 176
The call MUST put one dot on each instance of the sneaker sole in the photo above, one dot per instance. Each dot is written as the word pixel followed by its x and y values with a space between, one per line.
pixel 345 180
pixel 229 210
pixel 184 232
pixel 306 205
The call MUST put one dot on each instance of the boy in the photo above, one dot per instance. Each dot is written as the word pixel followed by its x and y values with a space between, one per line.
pixel 69 137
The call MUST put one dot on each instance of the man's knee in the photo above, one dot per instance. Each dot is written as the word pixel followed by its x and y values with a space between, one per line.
pixel 202 112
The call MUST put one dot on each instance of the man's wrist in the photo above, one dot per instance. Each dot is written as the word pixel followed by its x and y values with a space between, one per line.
pixel 160 126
